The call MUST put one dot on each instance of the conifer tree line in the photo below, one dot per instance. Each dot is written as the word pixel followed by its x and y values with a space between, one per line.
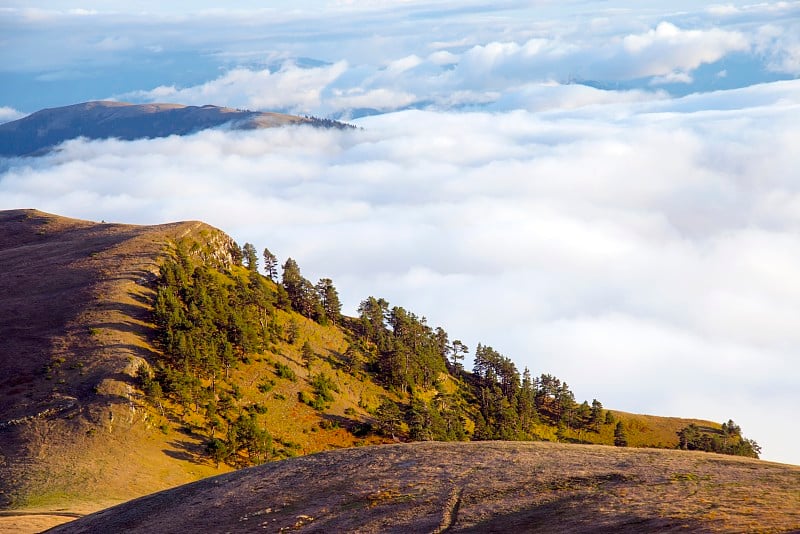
pixel 211 318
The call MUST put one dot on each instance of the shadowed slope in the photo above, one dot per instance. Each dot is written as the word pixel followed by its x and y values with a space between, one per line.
pixel 475 487
pixel 74 321
pixel 40 131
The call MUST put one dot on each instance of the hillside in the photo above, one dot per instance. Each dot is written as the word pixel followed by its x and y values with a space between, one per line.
pixel 39 132
pixel 476 487
pixel 138 358
pixel 74 321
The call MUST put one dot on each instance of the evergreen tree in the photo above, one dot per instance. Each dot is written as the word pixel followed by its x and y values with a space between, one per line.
pixel 329 298
pixel 307 354
pixel 292 331
pixel 457 352
pixel 388 417
pixel 597 416
pixel 270 265
pixel 250 256
pixel 217 450
pixel 620 437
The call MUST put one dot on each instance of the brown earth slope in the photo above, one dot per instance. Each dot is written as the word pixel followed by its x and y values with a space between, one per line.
pixel 476 487
pixel 74 326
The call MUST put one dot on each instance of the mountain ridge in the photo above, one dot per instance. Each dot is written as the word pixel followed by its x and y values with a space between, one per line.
pixel 39 132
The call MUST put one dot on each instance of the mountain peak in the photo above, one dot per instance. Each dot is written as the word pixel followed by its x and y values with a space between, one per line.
pixel 41 131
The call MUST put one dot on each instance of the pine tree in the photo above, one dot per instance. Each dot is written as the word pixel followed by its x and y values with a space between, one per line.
pixel 596 418
pixel 329 298
pixel 620 437
pixel 270 265
pixel 389 417
pixel 307 354
pixel 250 256
pixel 292 281
pixel 457 352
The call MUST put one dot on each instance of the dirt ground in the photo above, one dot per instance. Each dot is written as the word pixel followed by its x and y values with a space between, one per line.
pixel 476 487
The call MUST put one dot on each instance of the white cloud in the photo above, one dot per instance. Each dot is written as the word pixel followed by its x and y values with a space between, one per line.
pixel 641 248
pixel 289 88
pixel 380 99
pixel 8 114
pixel 494 72
pixel 723 10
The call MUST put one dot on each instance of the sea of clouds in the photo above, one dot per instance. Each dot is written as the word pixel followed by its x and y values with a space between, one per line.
pixel 635 234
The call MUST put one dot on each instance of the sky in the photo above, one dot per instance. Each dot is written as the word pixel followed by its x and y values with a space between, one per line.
pixel 604 193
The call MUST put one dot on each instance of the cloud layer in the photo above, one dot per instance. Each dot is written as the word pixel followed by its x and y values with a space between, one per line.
pixel 643 249
pixel 607 193
pixel 350 58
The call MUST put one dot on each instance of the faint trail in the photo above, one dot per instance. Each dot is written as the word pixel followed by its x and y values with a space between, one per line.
pixel 450 512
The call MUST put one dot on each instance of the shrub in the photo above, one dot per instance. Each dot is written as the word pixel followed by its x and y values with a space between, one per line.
pixel 266 386
pixel 284 371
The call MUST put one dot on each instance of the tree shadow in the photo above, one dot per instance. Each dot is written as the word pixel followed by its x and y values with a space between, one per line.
pixel 187 451
pixel 354 426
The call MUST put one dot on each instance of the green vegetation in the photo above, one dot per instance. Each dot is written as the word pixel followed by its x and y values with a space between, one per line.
pixel 620 437
pixel 213 319
pixel 726 440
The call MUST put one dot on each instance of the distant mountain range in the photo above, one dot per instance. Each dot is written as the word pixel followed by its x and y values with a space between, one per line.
pixel 39 132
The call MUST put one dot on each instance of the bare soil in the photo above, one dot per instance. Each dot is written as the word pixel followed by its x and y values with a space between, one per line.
pixel 476 487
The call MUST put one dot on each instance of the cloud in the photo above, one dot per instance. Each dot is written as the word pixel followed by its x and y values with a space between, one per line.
pixel 245 55
pixel 495 73
pixel 642 248
pixel 379 99
pixel 289 88
pixel 667 48
pixel 8 114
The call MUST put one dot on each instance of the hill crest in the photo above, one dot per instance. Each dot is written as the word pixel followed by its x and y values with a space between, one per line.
pixel 475 487
pixel 39 132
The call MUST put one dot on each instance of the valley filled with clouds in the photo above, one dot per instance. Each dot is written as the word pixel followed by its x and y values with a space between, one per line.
pixel 606 194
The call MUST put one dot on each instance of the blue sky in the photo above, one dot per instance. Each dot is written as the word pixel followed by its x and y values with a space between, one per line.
pixel 605 193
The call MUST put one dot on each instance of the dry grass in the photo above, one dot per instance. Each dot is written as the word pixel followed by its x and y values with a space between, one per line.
pixel 478 487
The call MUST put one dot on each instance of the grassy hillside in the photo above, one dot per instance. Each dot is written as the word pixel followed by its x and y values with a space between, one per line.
pixel 76 319
pixel 269 372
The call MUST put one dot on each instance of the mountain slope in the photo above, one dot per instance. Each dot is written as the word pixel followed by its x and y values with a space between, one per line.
pixel 138 358
pixel 41 131
pixel 476 487
pixel 74 323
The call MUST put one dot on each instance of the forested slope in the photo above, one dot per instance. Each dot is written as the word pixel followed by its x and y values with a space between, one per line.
pixel 137 358
pixel 218 325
